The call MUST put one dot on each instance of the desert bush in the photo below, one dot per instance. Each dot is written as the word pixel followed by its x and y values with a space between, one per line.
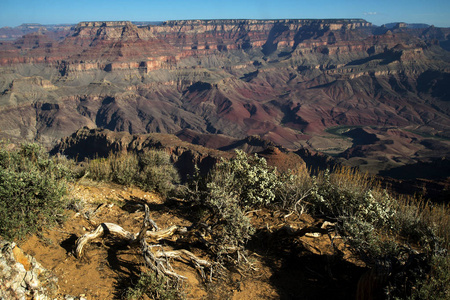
pixel 151 170
pixel 156 172
pixel 346 193
pixel 124 168
pixel 363 212
pixel 99 169
pixel 248 177
pixel 378 227
pixel 32 187
pixel 154 287
pixel 366 240
pixel 121 168
pixel 225 195
pixel 231 228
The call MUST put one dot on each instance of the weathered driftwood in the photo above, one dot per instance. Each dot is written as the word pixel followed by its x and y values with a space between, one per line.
pixel 158 260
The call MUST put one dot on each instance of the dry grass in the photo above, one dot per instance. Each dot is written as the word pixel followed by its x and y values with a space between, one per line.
pixel 151 170
pixel 417 220
pixel 420 217
pixel 351 179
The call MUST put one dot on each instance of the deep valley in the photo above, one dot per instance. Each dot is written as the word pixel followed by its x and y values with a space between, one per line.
pixel 293 83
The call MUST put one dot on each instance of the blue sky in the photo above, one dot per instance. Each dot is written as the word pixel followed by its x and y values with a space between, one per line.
pixel 14 12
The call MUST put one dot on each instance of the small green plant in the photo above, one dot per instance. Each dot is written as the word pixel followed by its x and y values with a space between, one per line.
pixel 154 287
pixel 423 223
pixel 293 189
pixel 364 213
pixel 124 168
pixel 378 227
pixel 99 169
pixel 345 193
pixel 231 228
pixel 32 187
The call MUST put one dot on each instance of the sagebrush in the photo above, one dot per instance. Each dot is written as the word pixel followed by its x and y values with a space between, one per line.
pixel 32 189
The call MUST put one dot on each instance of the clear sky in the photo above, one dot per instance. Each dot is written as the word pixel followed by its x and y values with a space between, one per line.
pixel 16 12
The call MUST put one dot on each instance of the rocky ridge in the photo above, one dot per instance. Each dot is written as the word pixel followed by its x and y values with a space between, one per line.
pixel 93 143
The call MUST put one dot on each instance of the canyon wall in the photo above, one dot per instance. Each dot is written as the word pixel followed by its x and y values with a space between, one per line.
pixel 286 81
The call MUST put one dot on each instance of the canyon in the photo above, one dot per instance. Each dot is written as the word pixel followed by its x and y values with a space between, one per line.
pixel 372 97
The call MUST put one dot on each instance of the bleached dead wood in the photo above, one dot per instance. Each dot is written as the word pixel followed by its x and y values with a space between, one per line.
pixel 103 228
pixel 119 232
pixel 158 260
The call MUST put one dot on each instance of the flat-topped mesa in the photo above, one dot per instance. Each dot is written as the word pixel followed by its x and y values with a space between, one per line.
pixel 111 30
pixel 235 34
pixel 332 23
pixel 104 24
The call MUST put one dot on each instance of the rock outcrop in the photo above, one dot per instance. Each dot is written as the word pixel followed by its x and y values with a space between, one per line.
pixel 22 277
pixel 92 143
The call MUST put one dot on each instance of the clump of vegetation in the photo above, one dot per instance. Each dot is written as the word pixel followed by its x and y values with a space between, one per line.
pixel 32 189
pixel 232 188
pixel 346 193
pixel 375 225
pixel 247 177
pixel 362 211
pixel 151 170
pixel 294 187
pixel 436 285
pixel 156 172
pixel 381 229
pixel 230 228
pixel 154 287
pixel 423 223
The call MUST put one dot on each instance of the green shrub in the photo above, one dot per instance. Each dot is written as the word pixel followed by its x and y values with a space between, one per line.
pixel 366 240
pixel 156 172
pixel 247 177
pixel 347 194
pixel 378 227
pixel 229 190
pixel 293 190
pixel 124 168
pixel 364 213
pixel 99 169
pixel 154 287
pixel 231 228
pixel 32 187
pixel 423 223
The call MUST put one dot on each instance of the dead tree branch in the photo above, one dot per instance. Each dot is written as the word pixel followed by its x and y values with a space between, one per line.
pixel 158 261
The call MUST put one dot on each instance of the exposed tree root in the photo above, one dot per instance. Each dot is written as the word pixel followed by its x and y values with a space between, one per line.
pixel 156 260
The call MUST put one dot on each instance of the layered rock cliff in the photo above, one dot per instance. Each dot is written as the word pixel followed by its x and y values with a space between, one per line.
pixel 287 81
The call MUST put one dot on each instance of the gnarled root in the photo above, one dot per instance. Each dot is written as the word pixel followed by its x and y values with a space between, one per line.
pixel 158 260
pixel 104 228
